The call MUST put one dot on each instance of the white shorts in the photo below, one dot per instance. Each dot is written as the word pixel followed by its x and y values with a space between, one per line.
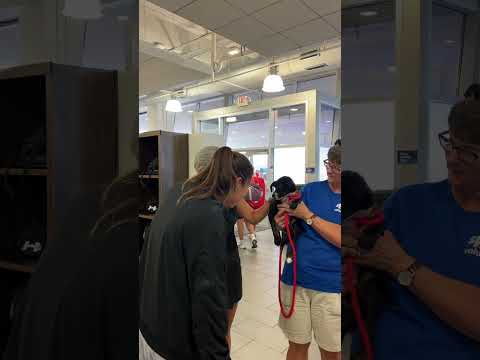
pixel 315 311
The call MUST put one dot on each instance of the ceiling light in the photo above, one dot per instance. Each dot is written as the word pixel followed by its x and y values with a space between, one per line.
pixel 304 133
pixel 294 109
pixel 173 105
pixel 85 10
pixel 369 13
pixel 231 119
pixel 273 83
pixel 190 111
pixel 233 51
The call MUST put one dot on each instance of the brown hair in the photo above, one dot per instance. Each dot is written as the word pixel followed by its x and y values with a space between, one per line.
pixel 218 178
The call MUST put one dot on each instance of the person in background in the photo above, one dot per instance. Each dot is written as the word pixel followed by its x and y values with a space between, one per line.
pixel 257 194
pixel 472 93
pixel 318 299
pixel 432 252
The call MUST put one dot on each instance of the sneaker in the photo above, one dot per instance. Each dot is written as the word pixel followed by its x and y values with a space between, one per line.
pixel 243 244
pixel 253 240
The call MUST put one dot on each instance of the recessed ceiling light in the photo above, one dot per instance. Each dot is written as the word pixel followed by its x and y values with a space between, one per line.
pixel 190 111
pixel 294 109
pixel 392 68
pixel 369 13
pixel 276 127
pixel 231 119
pixel 233 51
pixel 304 133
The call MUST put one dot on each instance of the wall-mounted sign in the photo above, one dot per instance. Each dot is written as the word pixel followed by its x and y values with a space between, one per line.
pixel 310 170
pixel 407 157
pixel 244 100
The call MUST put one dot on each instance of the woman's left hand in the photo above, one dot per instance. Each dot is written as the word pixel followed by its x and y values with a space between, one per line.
pixel 386 255
pixel 301 212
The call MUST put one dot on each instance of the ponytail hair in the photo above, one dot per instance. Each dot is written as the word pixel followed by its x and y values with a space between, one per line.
pixel 219 177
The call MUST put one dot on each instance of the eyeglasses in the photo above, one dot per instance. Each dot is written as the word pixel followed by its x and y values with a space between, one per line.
pixel 466 155
pixel 332 165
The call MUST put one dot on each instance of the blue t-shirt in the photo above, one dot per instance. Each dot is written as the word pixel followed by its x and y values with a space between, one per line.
pixel 318 261
pixel 434 229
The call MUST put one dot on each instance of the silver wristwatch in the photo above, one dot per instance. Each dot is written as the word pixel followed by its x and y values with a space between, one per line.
pixel 406 277
pixel 309 221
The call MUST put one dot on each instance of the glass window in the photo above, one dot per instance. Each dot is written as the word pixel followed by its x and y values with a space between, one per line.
pixel 290 161
pixel 143 121
pixel 249 131
pixel 325 126
pixel 446 48
pixel 368 51
pixel 290 126
pixel 210 126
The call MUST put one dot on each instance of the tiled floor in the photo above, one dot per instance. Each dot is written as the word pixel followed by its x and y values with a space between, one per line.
pixel 255 333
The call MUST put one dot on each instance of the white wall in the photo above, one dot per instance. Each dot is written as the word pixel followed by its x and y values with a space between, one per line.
pixel 368 141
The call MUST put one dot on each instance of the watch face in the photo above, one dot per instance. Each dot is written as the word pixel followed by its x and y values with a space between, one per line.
pixel 405 278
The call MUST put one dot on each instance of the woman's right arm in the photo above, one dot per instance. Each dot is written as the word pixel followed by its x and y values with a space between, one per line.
pixel 250 215
pixel 206 262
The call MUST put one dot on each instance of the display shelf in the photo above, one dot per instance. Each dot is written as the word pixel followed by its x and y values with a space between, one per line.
pixel 24 172
pixel 18 265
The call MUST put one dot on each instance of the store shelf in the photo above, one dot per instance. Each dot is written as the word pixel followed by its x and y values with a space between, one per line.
pixel 149 176
pixel 25 266
pixel 24 172
pixel 146 216
pixel 149 134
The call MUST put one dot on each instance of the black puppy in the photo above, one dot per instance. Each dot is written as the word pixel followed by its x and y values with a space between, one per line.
pixel 371 284
pixel 283 190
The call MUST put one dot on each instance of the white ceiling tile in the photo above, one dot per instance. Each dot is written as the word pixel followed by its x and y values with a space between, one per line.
pixel 171 5
pixel 312 32
pixel 335 20
pixel 324 7
pixel 250 6
pixel 210 14
pixel 273 45
pixel 285 15
pixel 244 30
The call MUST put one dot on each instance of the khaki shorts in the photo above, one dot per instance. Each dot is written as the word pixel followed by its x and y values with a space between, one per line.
pixel 315 311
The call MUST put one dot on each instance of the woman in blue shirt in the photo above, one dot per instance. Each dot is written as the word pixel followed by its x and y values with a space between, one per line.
pixel 432 251
pixel 317 303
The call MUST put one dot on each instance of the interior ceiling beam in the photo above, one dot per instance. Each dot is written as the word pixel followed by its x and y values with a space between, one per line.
pixel 172 57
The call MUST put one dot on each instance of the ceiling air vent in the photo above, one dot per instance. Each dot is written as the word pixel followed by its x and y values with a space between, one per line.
pixel 316 67
pixel 310 54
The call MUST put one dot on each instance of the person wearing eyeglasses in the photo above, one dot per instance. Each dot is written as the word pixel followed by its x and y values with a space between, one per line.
pixel 318 301
pixel 432 252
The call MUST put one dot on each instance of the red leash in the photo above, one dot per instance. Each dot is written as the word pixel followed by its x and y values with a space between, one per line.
pixel 294 288
pixel 350 276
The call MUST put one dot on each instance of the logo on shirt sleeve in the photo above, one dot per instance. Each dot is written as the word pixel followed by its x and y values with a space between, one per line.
pixel 473 247
pixel 338 208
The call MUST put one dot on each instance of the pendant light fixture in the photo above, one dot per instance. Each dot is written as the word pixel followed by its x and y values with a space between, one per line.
pixel 83 9
pixel 273 83
pixel 173 105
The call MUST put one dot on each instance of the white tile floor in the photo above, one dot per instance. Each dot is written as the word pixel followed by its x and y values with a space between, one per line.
pixel 255 333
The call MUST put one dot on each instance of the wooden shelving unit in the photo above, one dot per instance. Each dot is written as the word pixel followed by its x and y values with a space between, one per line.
pixel 23 172
pixel 24 266
pixel 170 150
pixel 73 109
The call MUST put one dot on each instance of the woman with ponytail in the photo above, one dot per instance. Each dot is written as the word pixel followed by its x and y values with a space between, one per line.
pixel 183 310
